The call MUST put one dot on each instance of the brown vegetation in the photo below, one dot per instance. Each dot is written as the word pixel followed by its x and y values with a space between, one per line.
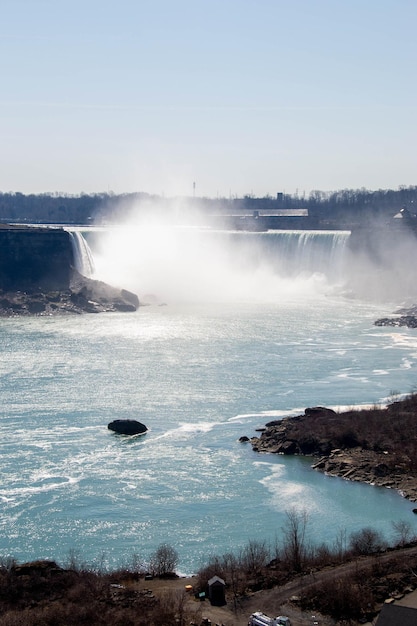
pixel 377 445
pixel 43 594
pixel 360 594
pixel 334 580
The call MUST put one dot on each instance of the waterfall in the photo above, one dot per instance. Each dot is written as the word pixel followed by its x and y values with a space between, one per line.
pixel 83 258
pixel 191 264
pixel 295 253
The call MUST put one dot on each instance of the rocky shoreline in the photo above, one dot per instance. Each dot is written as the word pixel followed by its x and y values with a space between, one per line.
pixel 84 295
pixel 403 317
pixel 369 467
pixel 355 445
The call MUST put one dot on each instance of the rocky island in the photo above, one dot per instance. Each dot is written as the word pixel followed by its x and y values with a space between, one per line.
pixel 376 446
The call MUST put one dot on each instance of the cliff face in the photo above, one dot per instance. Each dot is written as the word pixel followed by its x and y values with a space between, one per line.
pixel 37 277
pixel 34 258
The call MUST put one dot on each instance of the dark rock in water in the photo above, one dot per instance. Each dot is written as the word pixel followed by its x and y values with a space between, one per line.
pixel 127 427
pixel 243 439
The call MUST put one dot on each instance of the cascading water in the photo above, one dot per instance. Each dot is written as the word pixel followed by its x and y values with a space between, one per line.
pixel 294 253
pixel 183 264
pixel 83 257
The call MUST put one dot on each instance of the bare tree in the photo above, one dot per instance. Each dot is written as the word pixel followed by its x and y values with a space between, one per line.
pixel 403 532
pixel 340 544
pixel 164 560
pixel 294 548
pixel 232 567
pixel 136 565
pixel 255 555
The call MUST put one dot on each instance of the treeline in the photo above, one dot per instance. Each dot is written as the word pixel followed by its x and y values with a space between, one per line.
pixel 343 207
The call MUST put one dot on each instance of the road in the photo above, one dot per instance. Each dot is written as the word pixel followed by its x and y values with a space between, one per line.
pixel 275 601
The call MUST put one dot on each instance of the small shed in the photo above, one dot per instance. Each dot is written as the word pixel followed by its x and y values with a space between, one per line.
pixel 216 591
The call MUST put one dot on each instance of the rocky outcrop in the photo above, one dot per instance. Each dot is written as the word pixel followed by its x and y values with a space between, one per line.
pixel 410 321
pixel 84 295
pixel 127 427
pixel 356 445
pixel 287 436
pixel 403 317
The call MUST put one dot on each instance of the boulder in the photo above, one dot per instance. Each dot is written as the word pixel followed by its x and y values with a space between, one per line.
pixel 318 411
pixel 127 427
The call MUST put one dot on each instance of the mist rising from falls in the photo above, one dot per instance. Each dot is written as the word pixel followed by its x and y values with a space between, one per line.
pixel 381 264
pixel 179 264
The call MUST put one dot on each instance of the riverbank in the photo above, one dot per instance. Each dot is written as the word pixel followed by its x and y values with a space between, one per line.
pixel 42 591
pixel 376 446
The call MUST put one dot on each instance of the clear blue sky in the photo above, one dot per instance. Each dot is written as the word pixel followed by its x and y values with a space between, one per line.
pixel 238 96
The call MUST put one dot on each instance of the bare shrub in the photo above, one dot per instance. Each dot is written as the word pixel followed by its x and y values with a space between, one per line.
pixel 172 610
pixel 7 562
pixel 403 532
pixel 344 599
pixel 75 561
pixel 367 541
pixel 322 555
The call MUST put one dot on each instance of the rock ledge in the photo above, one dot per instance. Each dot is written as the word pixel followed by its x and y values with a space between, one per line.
pixel 85 295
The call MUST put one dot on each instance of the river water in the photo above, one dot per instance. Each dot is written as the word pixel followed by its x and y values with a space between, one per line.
pixel 241 328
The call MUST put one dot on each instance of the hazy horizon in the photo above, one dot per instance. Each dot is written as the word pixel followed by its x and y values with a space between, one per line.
pixel 236 97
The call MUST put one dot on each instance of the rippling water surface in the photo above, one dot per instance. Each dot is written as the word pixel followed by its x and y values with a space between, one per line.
pixel 199 375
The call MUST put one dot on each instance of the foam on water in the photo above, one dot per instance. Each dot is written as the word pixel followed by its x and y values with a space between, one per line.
pixel 200 375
